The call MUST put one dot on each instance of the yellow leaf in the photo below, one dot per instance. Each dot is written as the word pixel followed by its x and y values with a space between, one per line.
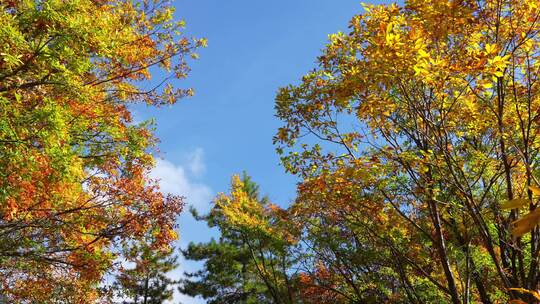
pixel 491 48
pixel 487 85
pixel 535 190
pixel 390 38
pixel 498 73
pixel 516 302
pixel 528 45
pixel 389 27
pixel 531 292
pixel 366 7
pixel 526 223
pixel 419 44
pixel 515 203
pixel 499 64
pixel 423 54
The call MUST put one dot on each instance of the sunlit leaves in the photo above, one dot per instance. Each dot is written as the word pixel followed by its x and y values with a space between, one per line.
pixel 74 181
pixel 515 203
pixel 440 98
pixel 498 64
pixel 535 190
pixel 526 223
pixel 252 262
pixel 535 294
pixel 529 221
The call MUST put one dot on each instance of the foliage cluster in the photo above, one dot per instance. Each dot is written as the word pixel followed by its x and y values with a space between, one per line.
pixel 74 185
pixel 417 142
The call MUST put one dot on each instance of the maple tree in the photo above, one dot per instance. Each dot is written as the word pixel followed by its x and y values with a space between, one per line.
pixel 74 167
pixel 417 140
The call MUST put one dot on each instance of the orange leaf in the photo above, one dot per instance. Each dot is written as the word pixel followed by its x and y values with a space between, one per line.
pixel 531 292
pixel 526 223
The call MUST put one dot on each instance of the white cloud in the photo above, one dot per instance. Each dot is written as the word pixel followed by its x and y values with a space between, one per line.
pixel 179 298
pixel 182 179
pixel 195 161
pixel 174 179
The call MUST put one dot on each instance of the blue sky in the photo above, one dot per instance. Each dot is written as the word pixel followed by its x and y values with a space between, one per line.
pixel 254 47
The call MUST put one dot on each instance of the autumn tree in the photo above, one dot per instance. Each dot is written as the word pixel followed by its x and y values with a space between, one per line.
pixel 417 140
pixel 252 261
pixel 73 165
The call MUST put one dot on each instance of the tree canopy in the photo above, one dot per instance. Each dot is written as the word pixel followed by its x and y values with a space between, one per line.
pixel 417 141
pixel 74 183
pixel 250 262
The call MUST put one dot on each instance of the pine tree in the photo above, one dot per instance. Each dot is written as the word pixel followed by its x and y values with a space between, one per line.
pixel 146 282
pixel 242 266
